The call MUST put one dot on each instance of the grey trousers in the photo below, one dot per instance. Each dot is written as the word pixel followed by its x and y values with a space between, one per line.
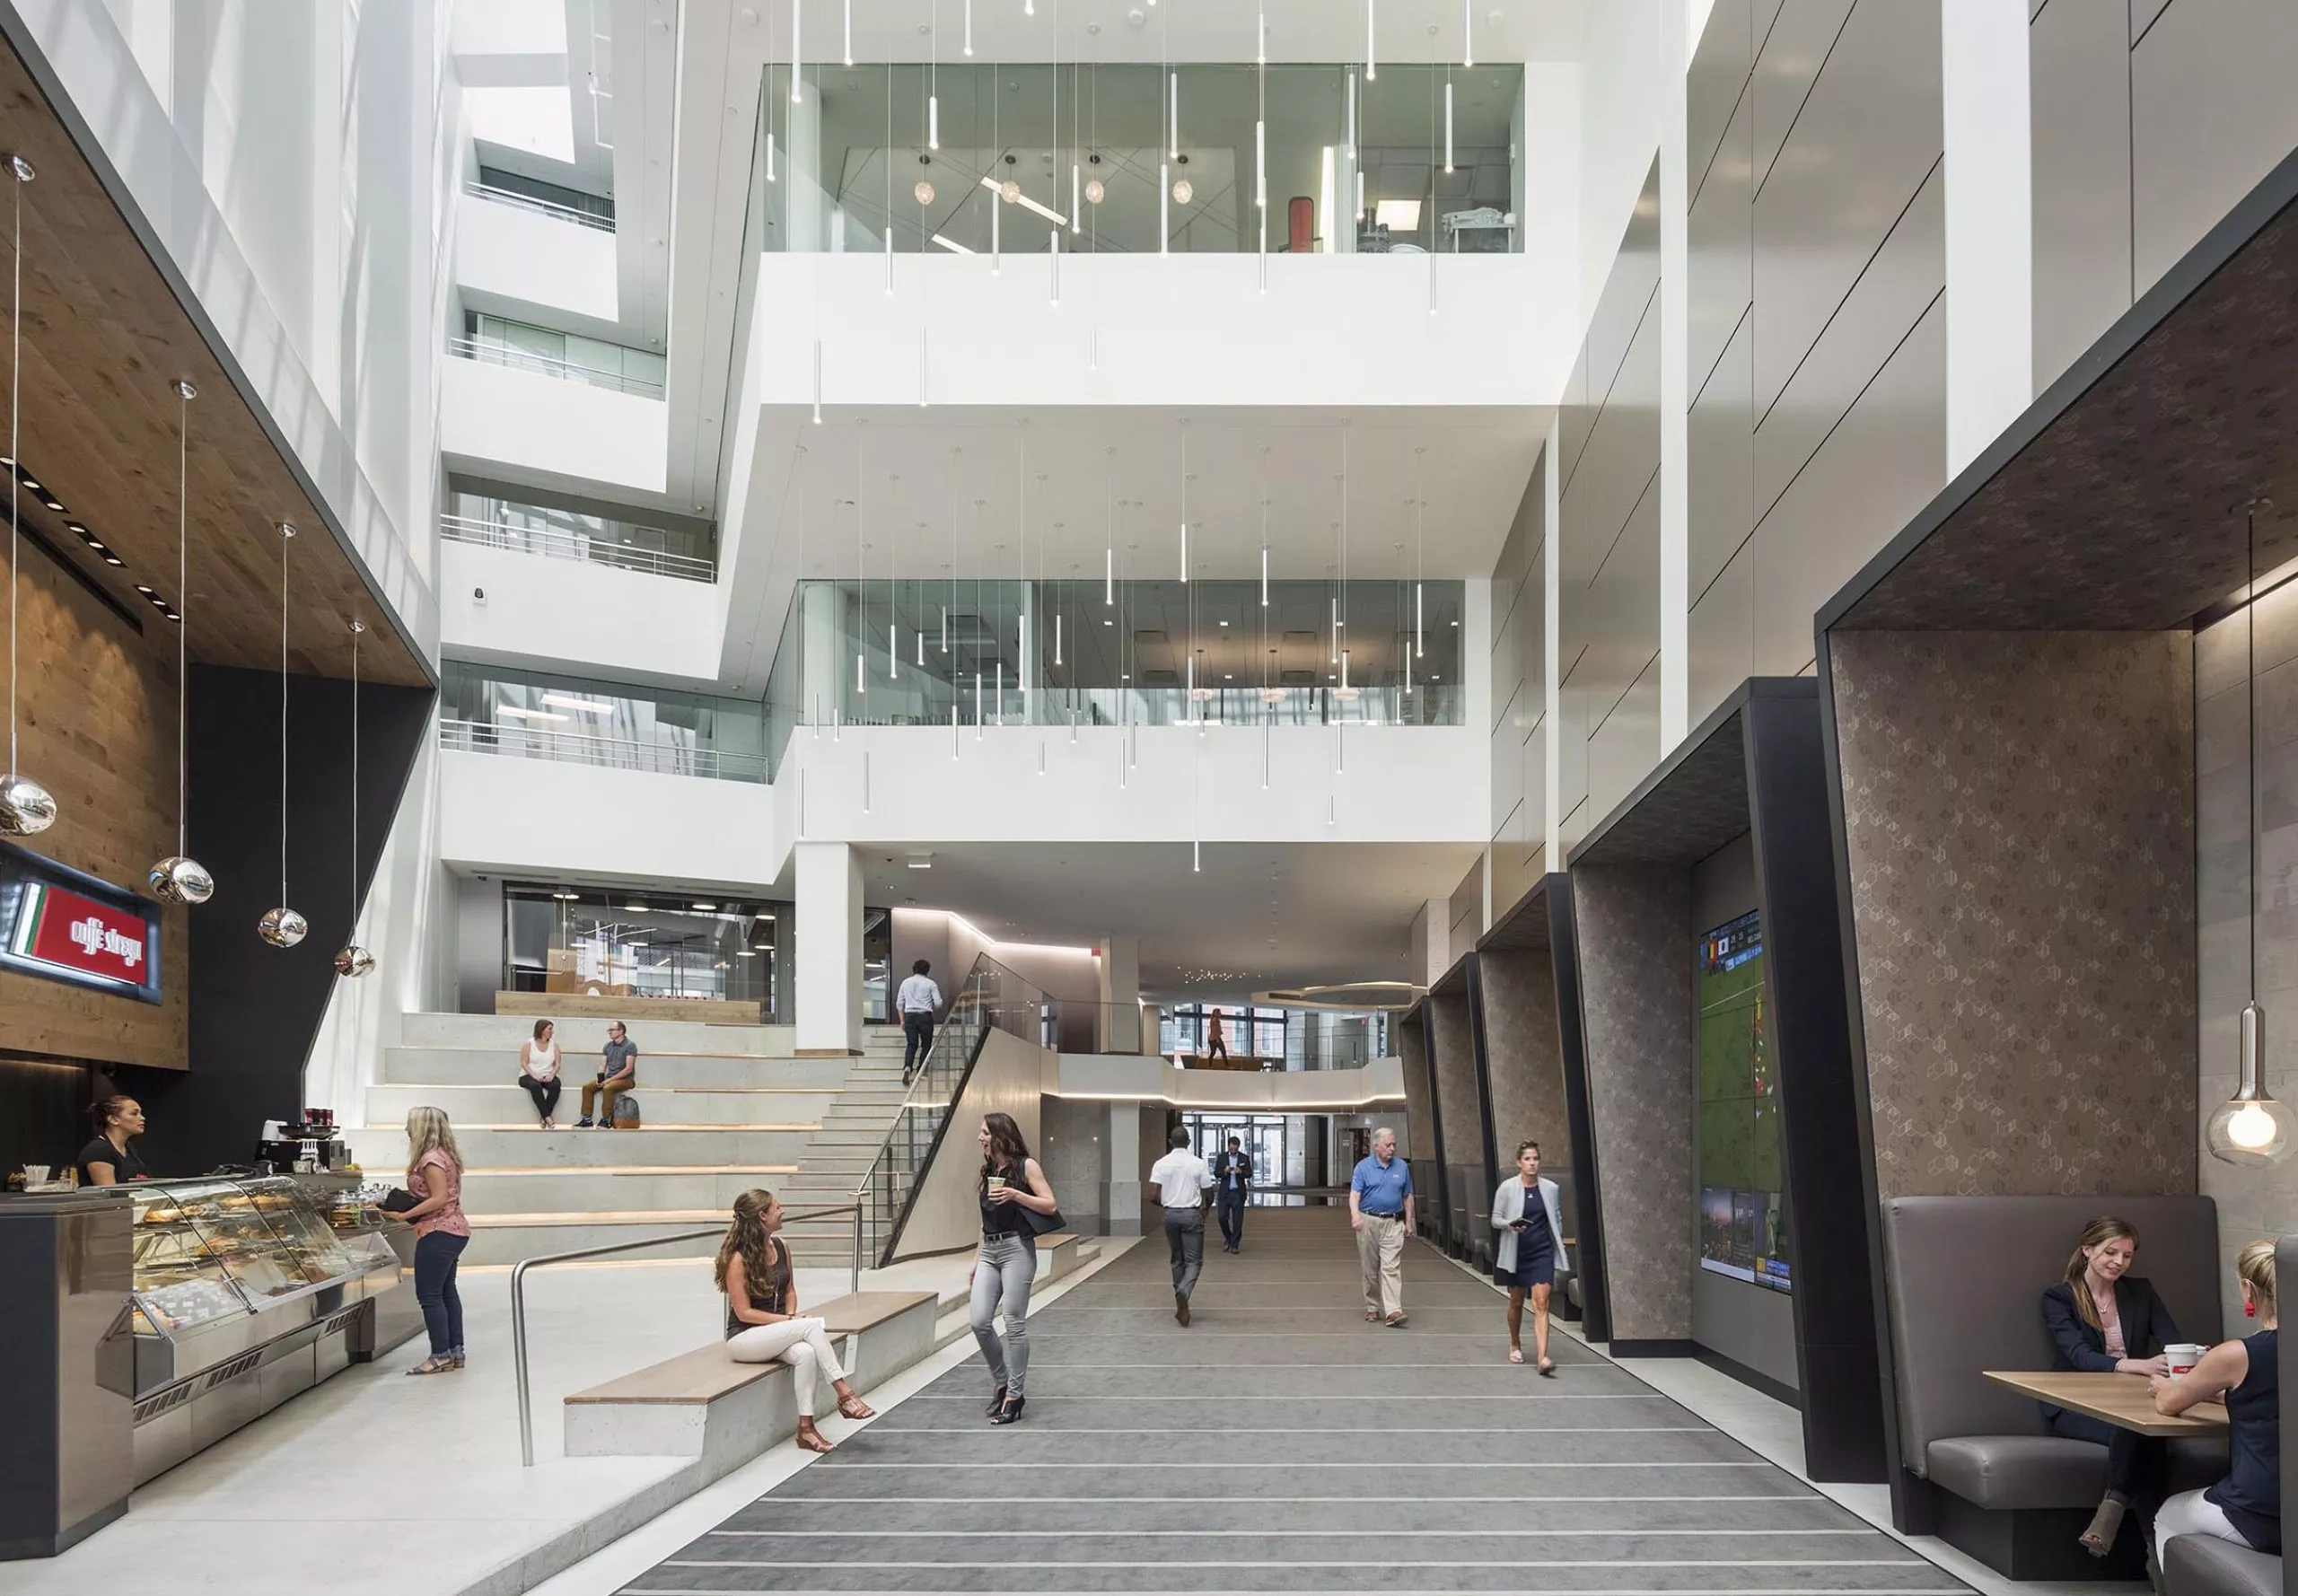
pixel 1185 1239
pixel 1006 1269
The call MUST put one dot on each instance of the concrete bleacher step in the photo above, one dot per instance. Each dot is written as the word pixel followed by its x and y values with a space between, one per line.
pixel 509 1104
pixel 499 1067
pixel 583 1034
pixel 614 1187
pixel 382 1148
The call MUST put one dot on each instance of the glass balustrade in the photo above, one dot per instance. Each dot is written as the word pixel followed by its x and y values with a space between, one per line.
pixel 1124 653
pixel 970 158
pixel 510 519
pixel 530 714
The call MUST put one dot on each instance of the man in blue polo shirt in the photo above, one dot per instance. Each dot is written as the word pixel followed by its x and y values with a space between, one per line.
pixel 1380 1211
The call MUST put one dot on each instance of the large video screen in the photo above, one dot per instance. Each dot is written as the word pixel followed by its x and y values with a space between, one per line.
pixel 1742 1216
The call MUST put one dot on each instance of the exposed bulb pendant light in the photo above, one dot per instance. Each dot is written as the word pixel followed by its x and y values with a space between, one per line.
pixel 178 877
pixel 351 960
pixel 2251 1128
pixel 283 927
pixel 26 808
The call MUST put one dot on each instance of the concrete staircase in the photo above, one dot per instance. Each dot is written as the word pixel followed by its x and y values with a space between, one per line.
pixel 726 1107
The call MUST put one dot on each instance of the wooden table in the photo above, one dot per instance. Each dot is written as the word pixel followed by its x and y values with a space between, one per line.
pixel 2122 1401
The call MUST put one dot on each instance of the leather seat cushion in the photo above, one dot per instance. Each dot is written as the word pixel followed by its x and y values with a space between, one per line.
pixel 2206 1565
pixel 2020 1471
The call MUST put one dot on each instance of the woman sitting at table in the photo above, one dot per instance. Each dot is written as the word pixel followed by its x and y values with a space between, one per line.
pixel 2103 1320
pixel 2245 1506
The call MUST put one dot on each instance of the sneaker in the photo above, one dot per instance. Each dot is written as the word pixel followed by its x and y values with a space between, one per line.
pixel 584 1123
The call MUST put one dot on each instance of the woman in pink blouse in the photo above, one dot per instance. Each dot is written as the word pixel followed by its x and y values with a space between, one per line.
pixel 434 1177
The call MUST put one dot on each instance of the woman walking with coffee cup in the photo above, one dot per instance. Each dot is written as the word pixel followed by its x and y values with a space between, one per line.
pixel 2245 1506
pixel 1007 1265
pixel 2104 1319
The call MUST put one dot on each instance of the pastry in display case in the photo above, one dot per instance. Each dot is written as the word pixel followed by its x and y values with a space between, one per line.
pixel 245 1293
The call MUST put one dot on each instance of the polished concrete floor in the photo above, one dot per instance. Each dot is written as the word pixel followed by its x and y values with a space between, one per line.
pixel 1282 1443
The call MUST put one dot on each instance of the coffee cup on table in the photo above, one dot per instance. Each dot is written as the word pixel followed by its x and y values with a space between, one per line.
pixel 2180 1357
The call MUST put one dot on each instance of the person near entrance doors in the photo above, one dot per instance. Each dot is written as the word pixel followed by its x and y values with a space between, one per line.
pixel 1380 1211
pixel 1233 1170
pixel 1216 1046
pixel 919 1000
pixel 1182 1179
pixel 618 1074
pixel 1525 1213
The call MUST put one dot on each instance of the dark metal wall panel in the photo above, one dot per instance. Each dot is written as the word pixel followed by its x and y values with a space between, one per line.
pixel 1891 296
pixel 1838 1371
pixel 2211 114
pixel 1588 1254
pixel 1635 996
pixel 1863 141
pixel 2078 75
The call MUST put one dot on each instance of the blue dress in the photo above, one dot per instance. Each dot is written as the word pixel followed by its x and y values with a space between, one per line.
pixel 1535 1248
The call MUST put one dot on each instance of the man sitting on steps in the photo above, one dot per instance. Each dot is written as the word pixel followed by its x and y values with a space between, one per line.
pixel 618 1074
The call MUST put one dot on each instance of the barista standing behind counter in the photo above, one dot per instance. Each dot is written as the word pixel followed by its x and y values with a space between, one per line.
pixel 107 1161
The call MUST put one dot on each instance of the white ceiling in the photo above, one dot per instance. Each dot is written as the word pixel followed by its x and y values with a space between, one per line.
pixel 882 493
pixel 1336 911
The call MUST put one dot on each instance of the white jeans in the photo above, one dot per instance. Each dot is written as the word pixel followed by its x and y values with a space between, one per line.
pixel 804 1344
pixel 2189 1513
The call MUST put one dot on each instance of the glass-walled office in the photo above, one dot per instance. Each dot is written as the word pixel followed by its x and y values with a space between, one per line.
pixel 532 714
pixel 1127 653
pixel 966 158
pixel 594 942
pixel 1256 1038
pixel 535 521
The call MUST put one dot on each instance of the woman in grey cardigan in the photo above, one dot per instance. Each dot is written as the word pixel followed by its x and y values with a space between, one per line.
pixel 1531 1235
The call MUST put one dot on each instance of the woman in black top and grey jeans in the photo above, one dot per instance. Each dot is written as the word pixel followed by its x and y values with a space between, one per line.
pixel 1007 1266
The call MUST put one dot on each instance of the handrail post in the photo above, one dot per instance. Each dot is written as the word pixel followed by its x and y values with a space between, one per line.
pixel 519 1364
pixel 853 1278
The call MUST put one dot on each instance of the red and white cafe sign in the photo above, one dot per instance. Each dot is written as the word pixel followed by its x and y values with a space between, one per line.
pixel 69 933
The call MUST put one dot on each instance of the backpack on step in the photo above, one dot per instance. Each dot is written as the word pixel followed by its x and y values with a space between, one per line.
pixel 626 1112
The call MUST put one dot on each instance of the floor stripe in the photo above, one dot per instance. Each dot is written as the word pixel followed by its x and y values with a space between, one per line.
pixel 1384 1432
pixel 1268 1397
pixel 1005 1565
pixel 1294 1468
pixel 1257 1501
pixel 1020 1532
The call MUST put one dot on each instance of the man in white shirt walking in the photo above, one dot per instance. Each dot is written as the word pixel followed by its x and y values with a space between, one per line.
pixel 1182 1179
pixel 919 1000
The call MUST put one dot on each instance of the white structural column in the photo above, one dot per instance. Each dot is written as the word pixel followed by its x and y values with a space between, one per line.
pixel 829 948
pixel 1552 640
pixel 1675 384
pixel 1119 979
pixel 1121 1158
pixel 1990 221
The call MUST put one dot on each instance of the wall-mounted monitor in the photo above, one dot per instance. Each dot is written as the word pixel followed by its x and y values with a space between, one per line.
pixel 62 925
pixel 1743 1218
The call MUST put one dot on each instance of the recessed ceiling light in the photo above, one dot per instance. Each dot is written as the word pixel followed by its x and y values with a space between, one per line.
pixel 51 504
pixel 113 559
pixel 35 487
pixel 142 589
pixel 567 896
pixel 634 908
pixel 706 908
pixel 745 952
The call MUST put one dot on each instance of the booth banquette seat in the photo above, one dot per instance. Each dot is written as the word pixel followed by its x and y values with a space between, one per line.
pixel 2204 1566
pixel 1965 1277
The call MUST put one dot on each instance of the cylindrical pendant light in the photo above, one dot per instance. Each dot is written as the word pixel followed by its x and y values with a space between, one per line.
pixel 969 26
pixel 1261 163
pixel 26 808
pixel 178 877
pixel 1468 32
pixel 1053 251
pixel 1348 114
pixel 283 927
pixel 933 123
pixel 351 960
pixel 1174 86
pixel 1371 71
pixel 1448 124
pixel 798 53
pixel 1165 208
pixel 817 381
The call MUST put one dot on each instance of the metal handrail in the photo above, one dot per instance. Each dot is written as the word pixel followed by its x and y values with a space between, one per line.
pixel 549 207
pixel 518 1297
pixel 560 543
pixel 586 748
pixel 549 366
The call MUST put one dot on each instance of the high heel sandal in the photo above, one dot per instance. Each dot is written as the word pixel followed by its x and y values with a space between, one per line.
pixel 1011 1412
pixel 854 1408
pixel 2106 1523
pixel 812 1439
pixel 433 1365
pixel 996 1404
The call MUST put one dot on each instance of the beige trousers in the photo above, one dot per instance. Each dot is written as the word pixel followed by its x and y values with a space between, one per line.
pixel 804 1344
pixel 1380 1250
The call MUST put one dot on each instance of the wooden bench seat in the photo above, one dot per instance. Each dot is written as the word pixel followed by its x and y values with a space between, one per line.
pixel 703 1404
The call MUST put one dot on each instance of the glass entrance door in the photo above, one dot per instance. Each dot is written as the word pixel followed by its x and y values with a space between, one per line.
pixel 1262 1135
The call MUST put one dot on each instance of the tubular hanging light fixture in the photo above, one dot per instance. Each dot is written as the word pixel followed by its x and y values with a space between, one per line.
pixel 1448 122
pixel 1371 70
pixel 27 809
pixel 798 53
pixel 2251 1128
pixel 283 927
pixel 351 960
pixel 1468 32
pixel 969 26
pixel 1184 499
pixel 817 381
pixel 849 31
pixel 178 877
pixel 1419 556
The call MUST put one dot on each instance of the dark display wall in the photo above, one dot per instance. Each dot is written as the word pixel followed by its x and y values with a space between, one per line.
pixel 256 1009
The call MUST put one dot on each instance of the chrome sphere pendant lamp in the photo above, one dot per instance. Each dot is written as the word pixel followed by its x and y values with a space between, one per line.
pixel 283 927
pixel 351 960
pixel 2250 1128
pixel 178 877
pixel 27 809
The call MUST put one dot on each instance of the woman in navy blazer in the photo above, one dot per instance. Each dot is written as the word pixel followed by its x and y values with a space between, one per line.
pixel 2103 1320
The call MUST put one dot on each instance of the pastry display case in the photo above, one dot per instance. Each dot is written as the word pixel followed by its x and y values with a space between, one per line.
pixel 246 1292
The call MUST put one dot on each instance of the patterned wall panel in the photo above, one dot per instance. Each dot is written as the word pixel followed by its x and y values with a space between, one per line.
pixel 1636 961
pixel 1458 1107
pixel 1420 1121
pixel 2019 809
pixel 1523 1056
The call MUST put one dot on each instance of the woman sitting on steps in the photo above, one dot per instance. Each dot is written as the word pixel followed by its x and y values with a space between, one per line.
pixel 762 1323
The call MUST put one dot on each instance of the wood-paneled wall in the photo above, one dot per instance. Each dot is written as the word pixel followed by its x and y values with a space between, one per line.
pixel 96 719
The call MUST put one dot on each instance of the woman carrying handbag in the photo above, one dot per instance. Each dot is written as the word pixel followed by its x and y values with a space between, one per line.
pixel 1017 1206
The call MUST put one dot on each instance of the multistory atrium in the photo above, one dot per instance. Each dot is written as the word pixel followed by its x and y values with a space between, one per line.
pixel 721 712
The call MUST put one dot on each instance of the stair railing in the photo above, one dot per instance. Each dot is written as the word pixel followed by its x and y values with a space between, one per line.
pixel 992 997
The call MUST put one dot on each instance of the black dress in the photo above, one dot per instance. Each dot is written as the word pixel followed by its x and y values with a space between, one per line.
pixel 1535 1248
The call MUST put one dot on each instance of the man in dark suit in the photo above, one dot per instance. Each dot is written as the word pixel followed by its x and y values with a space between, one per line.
pixel 1232 1176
